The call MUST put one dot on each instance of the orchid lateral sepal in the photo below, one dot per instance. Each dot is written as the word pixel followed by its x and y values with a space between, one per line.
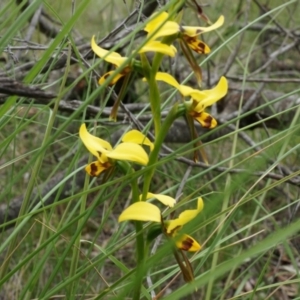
pixel 186 267
pixel 121 95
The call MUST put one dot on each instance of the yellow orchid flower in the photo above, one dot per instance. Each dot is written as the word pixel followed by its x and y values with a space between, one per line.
pixel 162 27
pixel 200 99
pixel 145 211
pixel 172 227
pixel 117 60
pixel 129 150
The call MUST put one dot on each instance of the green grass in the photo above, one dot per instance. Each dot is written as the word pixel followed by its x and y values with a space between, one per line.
pixel 74 247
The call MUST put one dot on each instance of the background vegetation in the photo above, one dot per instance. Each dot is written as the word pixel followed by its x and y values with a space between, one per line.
pixel 50 249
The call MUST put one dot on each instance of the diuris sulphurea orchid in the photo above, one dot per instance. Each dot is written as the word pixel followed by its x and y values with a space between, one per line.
pixel 160 26
pixel 128 150
pixel 200 99
pixel 146 211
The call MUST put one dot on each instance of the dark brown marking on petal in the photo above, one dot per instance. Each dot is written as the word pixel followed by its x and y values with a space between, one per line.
pixel 198 31
pixel 187 244
pixel 189 39
pixel 201 47
pixel 94 169
pixel 195 44
pixel 208 121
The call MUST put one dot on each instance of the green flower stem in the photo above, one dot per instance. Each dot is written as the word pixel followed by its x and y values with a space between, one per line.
pixel 175 112
pixel 140 243
pixel 150 73
pixel 141 257
pixel 154 94
pixel 155 103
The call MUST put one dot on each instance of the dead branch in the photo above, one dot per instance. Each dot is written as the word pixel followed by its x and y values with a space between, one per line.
pixel 14 88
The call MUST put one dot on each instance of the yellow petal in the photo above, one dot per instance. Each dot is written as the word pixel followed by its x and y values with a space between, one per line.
pixel 94 144
pixel 197 45
pixel 156 46
pixel 164 199
pixel 183 89
pixel 185 217
pixel 114 79
pixel 198 96
pixel 158 19
pixel 96 168
pixel 188 91
pixel 212 95
pixel 169 28
pixel 165 77
pixel 164 27
pixel 111 57
pixel 130 152
pixel 196 30
pixel 135 136
pixel 187 243
pixel 141 211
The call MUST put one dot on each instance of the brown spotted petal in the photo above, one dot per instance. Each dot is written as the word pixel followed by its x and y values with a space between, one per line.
pixel 96 168
pixel 187 243
pixel 196 45
pixel 205 119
